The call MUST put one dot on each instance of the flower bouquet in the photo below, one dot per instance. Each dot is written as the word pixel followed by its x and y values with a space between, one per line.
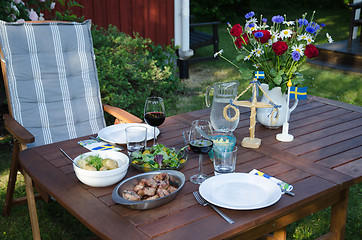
pixel 279 50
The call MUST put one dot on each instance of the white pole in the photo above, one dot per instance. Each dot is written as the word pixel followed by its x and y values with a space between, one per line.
pixel 185 52
pixel 177 24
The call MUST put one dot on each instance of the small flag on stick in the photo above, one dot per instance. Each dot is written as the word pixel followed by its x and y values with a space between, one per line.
pixel 298 92
pixel 259 75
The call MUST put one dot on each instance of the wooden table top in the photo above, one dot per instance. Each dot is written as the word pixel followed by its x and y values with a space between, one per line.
pixel 324 158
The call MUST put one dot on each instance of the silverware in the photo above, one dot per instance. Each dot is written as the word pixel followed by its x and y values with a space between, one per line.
pixel 203 202
pixel 287 192
pixel 96 139
pixel 71 159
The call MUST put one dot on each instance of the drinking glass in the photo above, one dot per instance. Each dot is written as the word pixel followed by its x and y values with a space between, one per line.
pixel 154 114
pixel 200 142
pixel 136 138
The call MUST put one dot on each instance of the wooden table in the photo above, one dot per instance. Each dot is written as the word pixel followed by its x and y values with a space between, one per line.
pixel 322 162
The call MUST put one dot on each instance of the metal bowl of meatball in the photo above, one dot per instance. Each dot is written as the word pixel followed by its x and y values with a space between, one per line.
pixel 149 190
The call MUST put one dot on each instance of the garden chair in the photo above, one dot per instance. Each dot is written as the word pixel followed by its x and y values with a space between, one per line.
pixel 354 23
pixel 53 93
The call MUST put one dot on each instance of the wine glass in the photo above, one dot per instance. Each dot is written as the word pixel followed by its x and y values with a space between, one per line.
pixel 200 142
pixel 154 114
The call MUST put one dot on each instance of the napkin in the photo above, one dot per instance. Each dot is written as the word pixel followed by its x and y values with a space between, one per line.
pixel 283 185
pixel 98 145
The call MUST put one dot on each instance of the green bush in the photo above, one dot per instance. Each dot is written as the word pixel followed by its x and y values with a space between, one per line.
pixel 130 69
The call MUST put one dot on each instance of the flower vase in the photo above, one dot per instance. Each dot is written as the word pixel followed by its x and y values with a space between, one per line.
pixel 271 117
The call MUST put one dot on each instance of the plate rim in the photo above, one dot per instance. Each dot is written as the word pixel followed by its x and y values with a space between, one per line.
pixel 276 190
pixel 122 126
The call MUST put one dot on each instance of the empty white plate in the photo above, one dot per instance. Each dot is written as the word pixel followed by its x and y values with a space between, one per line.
pixel 116 133
pixel 240 191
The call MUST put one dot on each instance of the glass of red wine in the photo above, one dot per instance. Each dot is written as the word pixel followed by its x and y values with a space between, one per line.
pixel 200 142
pixel 154 114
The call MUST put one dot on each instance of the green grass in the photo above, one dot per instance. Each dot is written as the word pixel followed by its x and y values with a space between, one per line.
pixel 57 223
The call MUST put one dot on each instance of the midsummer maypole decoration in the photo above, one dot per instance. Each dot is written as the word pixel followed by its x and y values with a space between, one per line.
pixel 252 141
pixel 295 93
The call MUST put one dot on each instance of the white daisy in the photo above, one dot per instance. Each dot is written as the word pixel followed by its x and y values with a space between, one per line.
pixel 256 65
pixel 304 36
pixel 258 52
pixel 310 39
pixel 289 23
pixel 274 37
pixel 330 40
pixel 286 33
pixel 248 57
pixel 299 48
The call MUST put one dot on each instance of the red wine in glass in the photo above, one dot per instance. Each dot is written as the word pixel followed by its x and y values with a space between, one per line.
pixel 201 146
pixel 155 119
pixel 154 114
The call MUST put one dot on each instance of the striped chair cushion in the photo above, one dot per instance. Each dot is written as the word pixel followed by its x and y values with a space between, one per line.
pixel 52 79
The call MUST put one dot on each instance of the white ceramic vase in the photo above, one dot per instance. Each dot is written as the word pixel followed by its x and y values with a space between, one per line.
pixel 268 117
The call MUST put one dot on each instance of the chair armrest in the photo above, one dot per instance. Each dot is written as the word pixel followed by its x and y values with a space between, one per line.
pixel 204 24
pixel 121 115
pixel 355 5
pixel 18 131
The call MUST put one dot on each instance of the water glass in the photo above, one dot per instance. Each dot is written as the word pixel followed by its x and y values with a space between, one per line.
pixel 224 161
pixel 136 138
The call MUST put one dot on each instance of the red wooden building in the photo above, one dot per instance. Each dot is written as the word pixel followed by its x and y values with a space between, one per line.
pixel 153 19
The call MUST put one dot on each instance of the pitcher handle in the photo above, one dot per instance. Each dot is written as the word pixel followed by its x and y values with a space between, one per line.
pixel 294 106
pixel 207 95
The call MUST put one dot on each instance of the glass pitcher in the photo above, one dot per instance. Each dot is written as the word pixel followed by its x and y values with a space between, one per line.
pixel 223 93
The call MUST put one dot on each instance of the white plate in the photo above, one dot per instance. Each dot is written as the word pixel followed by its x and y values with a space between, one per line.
pixel 240 191
pixel 117 134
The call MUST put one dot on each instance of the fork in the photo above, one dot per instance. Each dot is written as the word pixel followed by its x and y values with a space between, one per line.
pixel 203 202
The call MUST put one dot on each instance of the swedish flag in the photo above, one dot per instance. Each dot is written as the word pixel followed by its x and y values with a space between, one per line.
pixel 104 147
pixel 298 92
pixel 259 75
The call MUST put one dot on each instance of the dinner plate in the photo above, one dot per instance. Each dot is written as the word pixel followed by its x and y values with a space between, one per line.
pixel 117 134
pixel 240 191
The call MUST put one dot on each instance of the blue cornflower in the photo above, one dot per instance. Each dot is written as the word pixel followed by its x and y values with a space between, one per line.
pixel 258 34
pixel 251 25
pixel 296 55
pixel 323 25
pixel 278 19
pixel 250 14
pixel 302 22
pixel 264 20
pixel 310 29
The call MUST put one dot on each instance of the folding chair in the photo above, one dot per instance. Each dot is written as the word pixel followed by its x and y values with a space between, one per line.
pixel 53 93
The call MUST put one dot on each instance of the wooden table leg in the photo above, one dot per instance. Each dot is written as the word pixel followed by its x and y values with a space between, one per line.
pixel 339 216
pixel 32 207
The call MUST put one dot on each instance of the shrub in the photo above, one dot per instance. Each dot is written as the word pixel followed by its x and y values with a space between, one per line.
pixel 130 69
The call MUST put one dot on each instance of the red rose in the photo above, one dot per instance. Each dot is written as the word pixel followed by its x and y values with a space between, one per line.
pixel 280 47
pixel 243 40
pixel 264 38
pixel 311 51
pixel 236 30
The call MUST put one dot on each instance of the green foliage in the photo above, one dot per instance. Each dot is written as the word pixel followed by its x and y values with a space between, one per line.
pixel 130 69
pixel 12 11
pixel 216 10
pixel 66 12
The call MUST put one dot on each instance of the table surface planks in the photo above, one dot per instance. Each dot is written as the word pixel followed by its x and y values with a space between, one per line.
pixel 323 159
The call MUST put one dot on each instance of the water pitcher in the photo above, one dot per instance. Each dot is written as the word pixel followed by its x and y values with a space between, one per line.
pixel 223 93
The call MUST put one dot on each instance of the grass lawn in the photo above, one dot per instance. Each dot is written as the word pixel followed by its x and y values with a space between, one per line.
pixel 56 223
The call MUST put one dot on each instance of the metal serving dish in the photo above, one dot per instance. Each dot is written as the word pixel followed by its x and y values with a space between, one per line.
pixel 177 180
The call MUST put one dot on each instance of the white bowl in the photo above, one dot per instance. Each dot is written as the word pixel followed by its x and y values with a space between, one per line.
pixel 102 178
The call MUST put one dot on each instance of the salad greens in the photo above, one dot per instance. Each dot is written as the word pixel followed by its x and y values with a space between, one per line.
pixel 158 157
